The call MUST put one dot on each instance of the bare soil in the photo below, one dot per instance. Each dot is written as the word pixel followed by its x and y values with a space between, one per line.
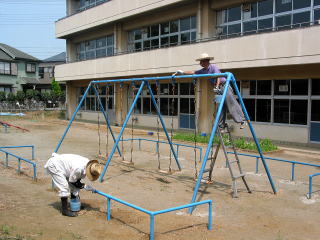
pixel 31 209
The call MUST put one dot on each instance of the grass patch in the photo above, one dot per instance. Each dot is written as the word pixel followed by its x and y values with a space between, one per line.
pixel 241 143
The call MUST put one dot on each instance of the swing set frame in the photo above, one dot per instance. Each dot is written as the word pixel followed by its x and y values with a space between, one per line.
pixel 145 82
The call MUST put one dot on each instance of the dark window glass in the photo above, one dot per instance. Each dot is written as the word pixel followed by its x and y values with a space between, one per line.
pixel 164 41
pixel 171 87
pixel 281 111
pixel 315 110
pixel 137 107
pixel 137 46
pixel 103 101
pixel 185 38
pixel 264 87
pixel 165 28
pixel 263 110
pixel 185 105
pixel 109 51
pixel 146 105
pixel 298 113
pixel 265 25
pixel 155 43
pixel 301 4
pixel 90 54
pixel 153 108
pixel 82 90
pixel 250 105
pixel 317 15
pixel 299 87
pixel 101 53
pixel 316 2
pixel 254 10
pixel 101 42
pixel 193 36
pixel 281 87
pixel 265 7
pixel 283 5
pixel 315 87
pixel 146 45
pixel 234 14
pixel 155 30
pixel 253 84
pixel 173 40
pixel 164 107
pixel 137 34
pixel 303 17
pixel 235 28
pixel 173 106
pixel 185 24
pixel 249 27
pixel 283 22
pixel 110 40
pixel 193 22
pixel 174 26
pixel 184 88
pixel 164 89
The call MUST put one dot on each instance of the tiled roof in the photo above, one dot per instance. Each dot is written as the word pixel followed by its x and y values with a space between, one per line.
pixel 15 54
pixel 61 57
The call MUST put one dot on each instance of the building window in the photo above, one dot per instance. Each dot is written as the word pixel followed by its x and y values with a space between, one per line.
pixel 41 72
pixel 315 86
pixel 91 102
pixel 5 89
pixel 286 99
pixel 176 32
pixel 266 15
pixel 5 68
pixel 86 4
pixel 315 110
pixel 95 48
pixel 30 67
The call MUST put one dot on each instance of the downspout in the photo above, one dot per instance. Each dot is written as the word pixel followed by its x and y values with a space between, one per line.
pixel 199 24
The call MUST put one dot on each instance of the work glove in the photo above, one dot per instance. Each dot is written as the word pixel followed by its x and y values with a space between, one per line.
pixel 78 184
pixel 179 72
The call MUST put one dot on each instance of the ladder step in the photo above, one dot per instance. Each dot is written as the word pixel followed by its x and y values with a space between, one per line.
pixel 239 176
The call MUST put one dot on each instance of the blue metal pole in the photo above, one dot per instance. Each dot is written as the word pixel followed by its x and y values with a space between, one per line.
pixel 34 172
pixel 73 117
pixel 292 172
pixel 32 152
pixel 253 133
pixel 212 75
pixel 106 118
pixel 257 164
pixel 213 133
pixel 7 160
pixel 210 216
pixel 151 227
pixel 163 125
pixel 121 131
pixel 108 209
pixel 310 186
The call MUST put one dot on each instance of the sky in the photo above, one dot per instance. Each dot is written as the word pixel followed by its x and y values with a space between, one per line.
pixel 29 25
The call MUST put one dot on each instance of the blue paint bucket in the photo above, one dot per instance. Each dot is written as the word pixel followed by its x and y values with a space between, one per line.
pixel 203 134
pixel 75 205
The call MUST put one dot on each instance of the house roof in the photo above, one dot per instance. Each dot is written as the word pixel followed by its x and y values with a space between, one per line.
pixel 61 57
pixel 14 53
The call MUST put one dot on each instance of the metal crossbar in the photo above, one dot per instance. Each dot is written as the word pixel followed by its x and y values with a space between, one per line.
pixel 153 214
pixel 19 158
pixel 310 184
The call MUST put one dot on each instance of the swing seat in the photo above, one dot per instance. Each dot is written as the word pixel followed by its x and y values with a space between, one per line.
pixel 169 171
pixel 127 162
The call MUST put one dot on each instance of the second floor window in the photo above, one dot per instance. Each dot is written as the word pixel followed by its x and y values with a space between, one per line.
pixel 267 15
pixel 5 68
pixel 85 4
pixel 30 67
pixel 95 48
pixel 180 31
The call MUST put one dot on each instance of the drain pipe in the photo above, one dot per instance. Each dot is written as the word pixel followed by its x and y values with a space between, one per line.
pixel 199 24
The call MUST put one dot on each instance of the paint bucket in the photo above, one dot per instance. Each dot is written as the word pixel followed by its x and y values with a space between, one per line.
pixel 75 204
pixel 203 134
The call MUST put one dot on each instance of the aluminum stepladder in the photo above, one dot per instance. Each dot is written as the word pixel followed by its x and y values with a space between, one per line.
pixel 233 165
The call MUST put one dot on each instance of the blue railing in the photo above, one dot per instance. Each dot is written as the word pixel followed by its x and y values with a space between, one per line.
pixel 153 214
pixel 19 158
pixel 310 184
pixel 157 145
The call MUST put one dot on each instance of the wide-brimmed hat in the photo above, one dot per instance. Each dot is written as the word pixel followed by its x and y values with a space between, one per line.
pixel 204 56
pixel 93 170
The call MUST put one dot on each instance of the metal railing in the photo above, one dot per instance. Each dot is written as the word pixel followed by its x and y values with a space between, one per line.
pixel 153 214
pixel 310 184
pixel 157 145
pixel 19 158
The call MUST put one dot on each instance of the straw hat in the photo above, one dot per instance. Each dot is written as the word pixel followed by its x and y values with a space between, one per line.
pixel 93 170
pixel 204 56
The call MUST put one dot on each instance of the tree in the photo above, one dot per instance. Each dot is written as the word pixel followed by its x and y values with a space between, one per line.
pixel 55 87
pixel 2 96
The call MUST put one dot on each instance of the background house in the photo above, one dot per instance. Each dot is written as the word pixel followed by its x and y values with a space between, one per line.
pixel 271 46
pixel 17 69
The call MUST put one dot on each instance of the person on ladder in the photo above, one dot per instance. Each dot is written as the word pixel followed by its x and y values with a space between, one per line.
pixel 232 104
pixel 66 171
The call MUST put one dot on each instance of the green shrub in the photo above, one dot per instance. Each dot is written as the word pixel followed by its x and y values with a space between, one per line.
pixel 20 96
pixel 11 97
pixel 32 94
pixel 2 96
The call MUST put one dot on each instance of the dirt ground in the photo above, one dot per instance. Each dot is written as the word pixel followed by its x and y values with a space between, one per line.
pixel 31 210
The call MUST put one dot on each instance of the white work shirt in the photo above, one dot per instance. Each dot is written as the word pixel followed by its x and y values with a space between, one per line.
pixel 72 166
